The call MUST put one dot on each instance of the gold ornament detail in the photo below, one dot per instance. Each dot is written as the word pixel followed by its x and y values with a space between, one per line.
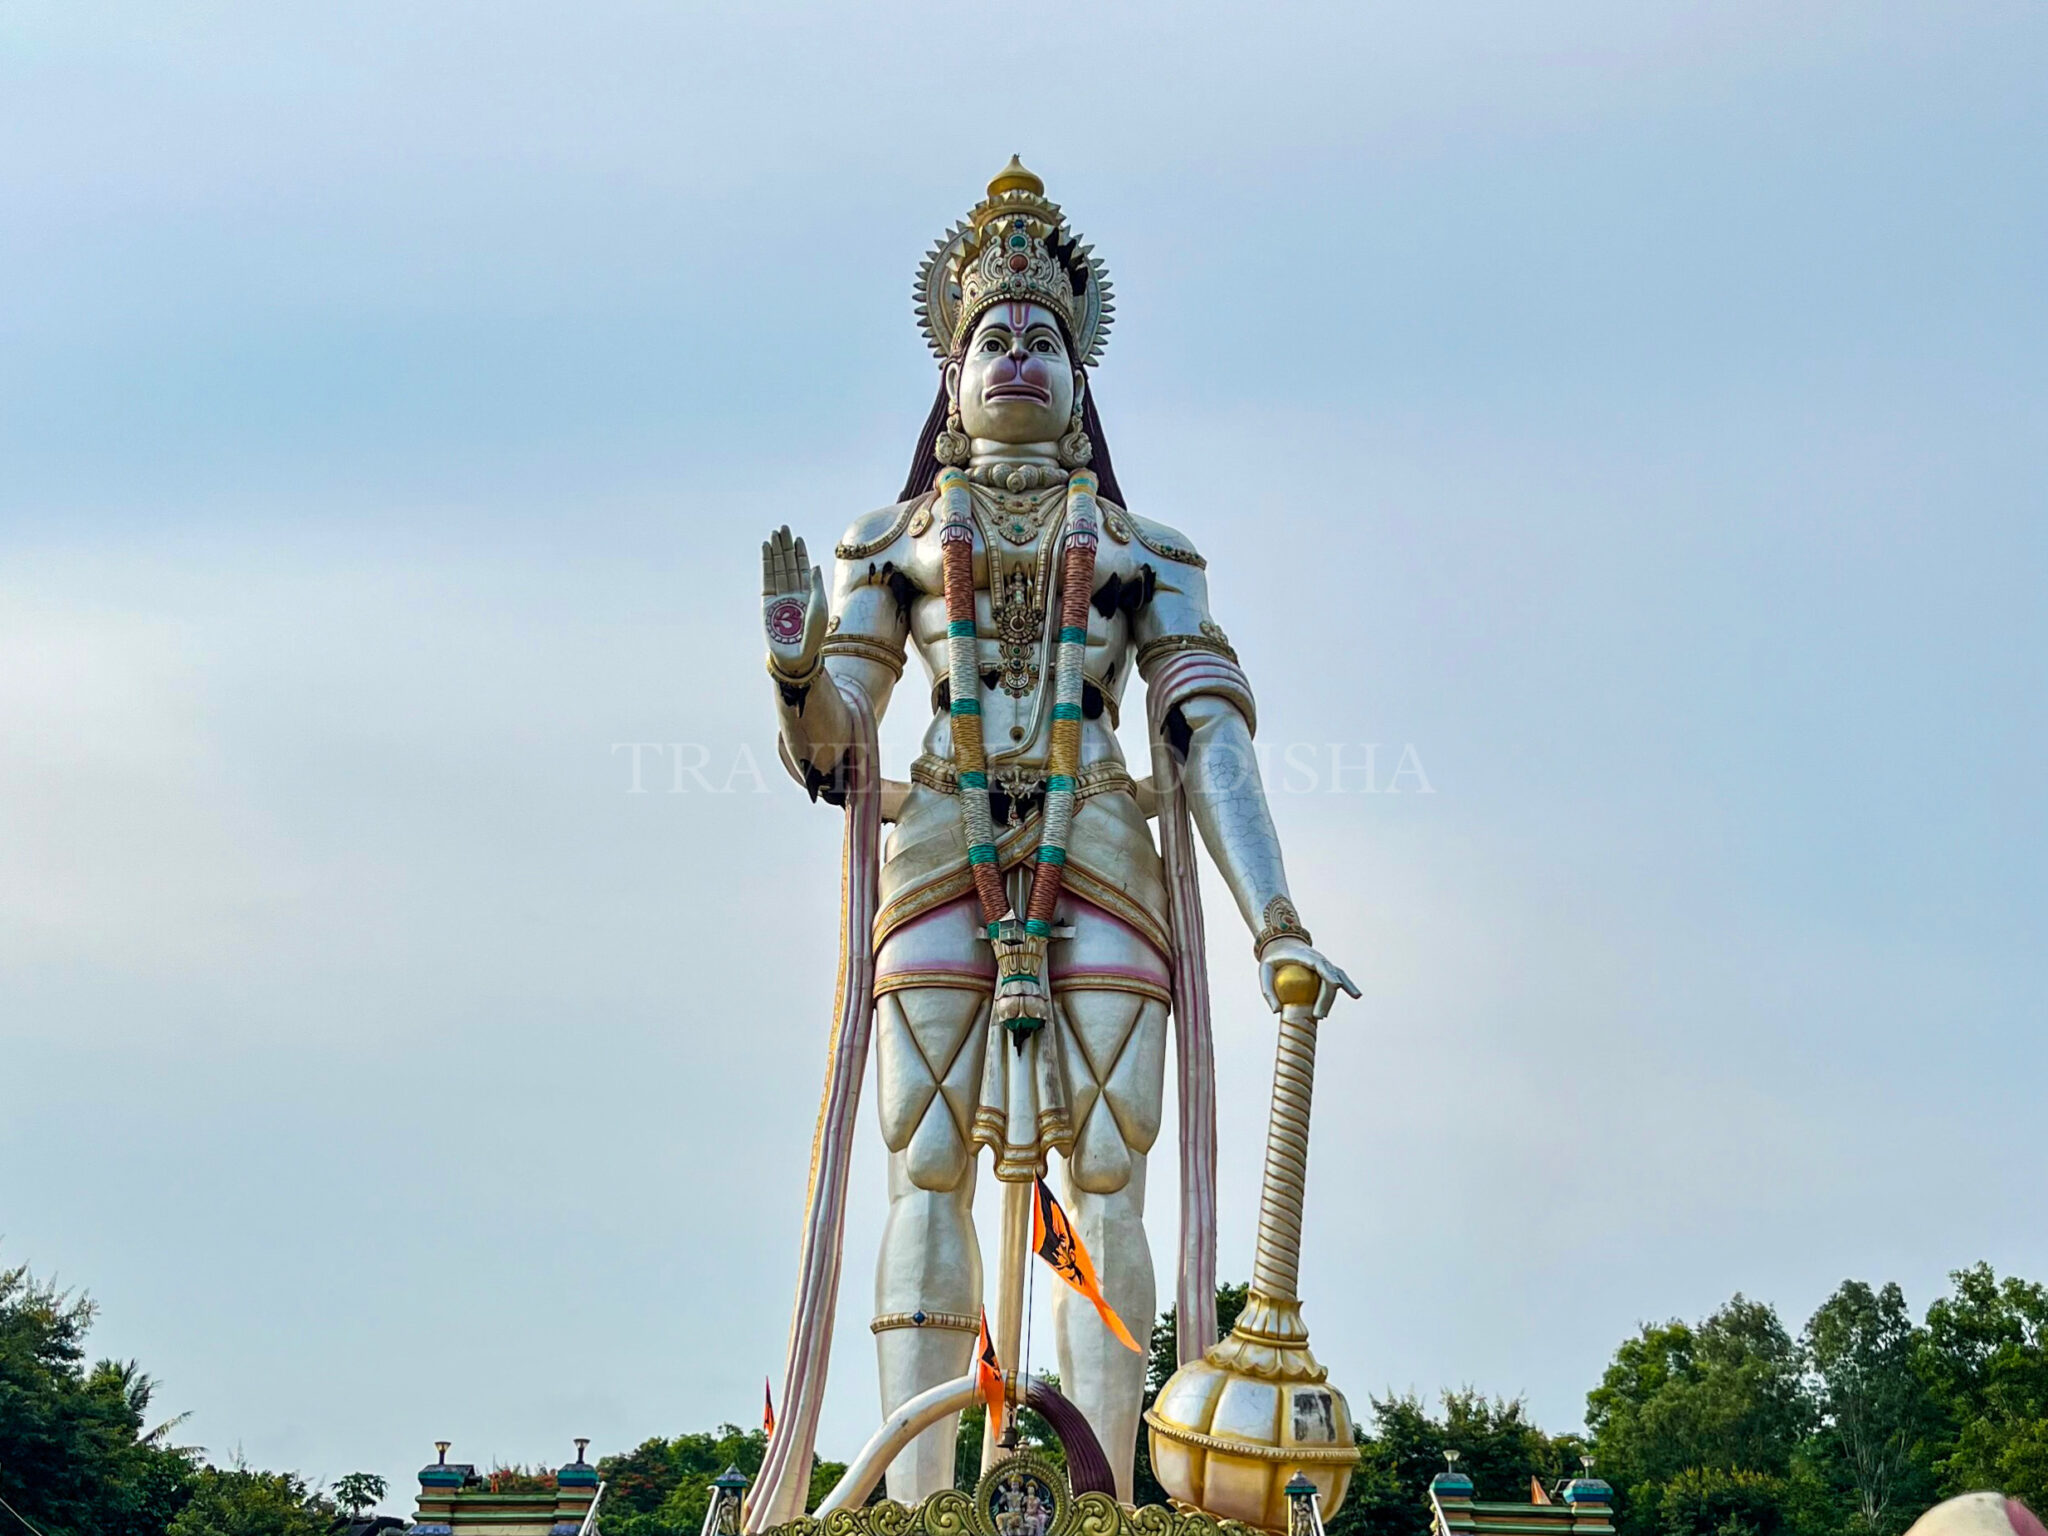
pixel 1017 476
pixel 881 653
pixel 868 547
pixel 1281 920
pixel 1169 549
pixel 948 1322
pixel 1018 585
pixel 1075 449
pixel 1020 625
pixel 1021 1495
pixel 952 446
pixel 1019 516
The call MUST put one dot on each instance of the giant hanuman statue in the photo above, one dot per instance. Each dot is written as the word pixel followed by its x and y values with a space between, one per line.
pixel 1018 946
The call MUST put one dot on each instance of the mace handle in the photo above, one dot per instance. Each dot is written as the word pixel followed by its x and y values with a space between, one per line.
pixel 1277 1262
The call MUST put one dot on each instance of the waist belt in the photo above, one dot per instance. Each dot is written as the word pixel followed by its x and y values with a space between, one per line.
pixel 1015 795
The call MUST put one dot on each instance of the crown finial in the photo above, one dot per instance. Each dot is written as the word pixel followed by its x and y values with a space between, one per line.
pixel 1015 178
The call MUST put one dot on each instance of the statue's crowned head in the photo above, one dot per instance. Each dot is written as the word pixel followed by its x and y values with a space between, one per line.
pixel 1016 309
pixel 1014 247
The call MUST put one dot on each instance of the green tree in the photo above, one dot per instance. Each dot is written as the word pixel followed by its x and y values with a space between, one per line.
pixel 358 1491
pixel 1730 1395
pixel 1497 1446
pixel 1714 1501
pixel 663 1487
pixel 1864 1349
pixel 1985 1361
pixel 75 1457
pixel 240 1501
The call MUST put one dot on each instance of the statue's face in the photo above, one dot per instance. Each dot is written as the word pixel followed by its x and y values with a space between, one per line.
pixel 1016 383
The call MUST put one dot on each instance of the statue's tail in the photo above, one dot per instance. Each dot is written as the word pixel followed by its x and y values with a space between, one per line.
pixel 1182 676
pixel 780 1491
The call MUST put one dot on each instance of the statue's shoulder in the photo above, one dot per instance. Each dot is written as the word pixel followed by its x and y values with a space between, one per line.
pixel 1167 543
pixel 872 534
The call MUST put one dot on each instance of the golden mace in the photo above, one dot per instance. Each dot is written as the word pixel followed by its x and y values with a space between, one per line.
pixel 1230 1430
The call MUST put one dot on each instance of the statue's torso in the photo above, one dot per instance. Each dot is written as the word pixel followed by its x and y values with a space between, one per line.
pixel 1147 590
pixel 1017 595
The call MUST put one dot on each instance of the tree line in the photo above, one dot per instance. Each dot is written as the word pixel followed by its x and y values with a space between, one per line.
pixel 79 1456
pixel 1730 1426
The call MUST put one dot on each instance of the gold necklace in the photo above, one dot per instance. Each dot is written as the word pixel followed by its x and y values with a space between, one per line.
pixel 1018 516
pixel 1017 589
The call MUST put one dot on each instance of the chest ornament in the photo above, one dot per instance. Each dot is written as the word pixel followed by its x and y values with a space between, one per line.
pixel 1018 517
pixel 1020 625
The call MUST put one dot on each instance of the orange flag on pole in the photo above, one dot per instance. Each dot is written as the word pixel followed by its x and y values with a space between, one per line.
pixel 1056 1242
pixel 988 1371
pixel 767 1410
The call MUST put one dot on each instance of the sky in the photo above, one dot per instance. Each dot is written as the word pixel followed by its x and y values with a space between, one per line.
pixel 1629 418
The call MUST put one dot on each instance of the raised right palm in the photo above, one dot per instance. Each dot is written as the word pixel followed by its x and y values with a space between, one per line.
pixel 794 611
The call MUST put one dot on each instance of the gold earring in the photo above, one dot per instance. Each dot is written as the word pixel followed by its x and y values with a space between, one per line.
pixel 951 446
pixel 1075 449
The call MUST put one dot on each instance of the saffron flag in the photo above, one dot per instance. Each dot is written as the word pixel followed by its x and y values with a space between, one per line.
pixel 767 1410
pixel 988 1371
pixel 1056 1242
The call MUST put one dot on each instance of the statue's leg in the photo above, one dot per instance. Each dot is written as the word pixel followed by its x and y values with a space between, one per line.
pixel 928 1276
pixel 1112 985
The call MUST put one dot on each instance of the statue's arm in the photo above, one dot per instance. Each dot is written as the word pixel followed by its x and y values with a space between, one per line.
pixel 820 649
pixel 1226 792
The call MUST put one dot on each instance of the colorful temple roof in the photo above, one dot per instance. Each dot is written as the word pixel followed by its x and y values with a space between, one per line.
pixel 1585 1508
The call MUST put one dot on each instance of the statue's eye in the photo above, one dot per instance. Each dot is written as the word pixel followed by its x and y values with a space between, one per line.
pixel 994 344
pixel 1043 344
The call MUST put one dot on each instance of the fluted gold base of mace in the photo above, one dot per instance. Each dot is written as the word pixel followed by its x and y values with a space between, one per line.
pixel 1230 1430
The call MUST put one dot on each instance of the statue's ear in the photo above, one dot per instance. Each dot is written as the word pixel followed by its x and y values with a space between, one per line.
pixel 953 384
pixel 1080 385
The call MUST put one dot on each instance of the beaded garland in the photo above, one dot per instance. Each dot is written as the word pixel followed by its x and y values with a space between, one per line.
pixel 1020 946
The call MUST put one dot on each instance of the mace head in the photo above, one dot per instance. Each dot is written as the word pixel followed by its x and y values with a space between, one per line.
pixel 1296 985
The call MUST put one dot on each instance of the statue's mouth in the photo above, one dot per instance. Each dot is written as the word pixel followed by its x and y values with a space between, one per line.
pixel 1018 391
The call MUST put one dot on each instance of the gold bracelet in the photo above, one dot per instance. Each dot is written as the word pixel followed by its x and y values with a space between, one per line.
pixel 1279 921
pixel 863 648
pixel 787 681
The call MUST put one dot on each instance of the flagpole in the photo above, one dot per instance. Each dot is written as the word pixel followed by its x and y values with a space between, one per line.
pixel 1016 1253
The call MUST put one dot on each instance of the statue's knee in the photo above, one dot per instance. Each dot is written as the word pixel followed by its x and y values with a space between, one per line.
pixel 936 1164
pixel 1100 1167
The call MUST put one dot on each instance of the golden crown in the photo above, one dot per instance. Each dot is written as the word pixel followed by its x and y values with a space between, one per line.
pixel 1014 247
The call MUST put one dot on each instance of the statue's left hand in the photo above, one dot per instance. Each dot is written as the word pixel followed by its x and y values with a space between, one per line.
pixel 1292 951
